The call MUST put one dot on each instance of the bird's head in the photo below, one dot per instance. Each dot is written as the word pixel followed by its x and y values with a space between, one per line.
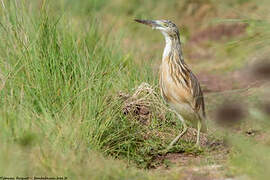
pixel 165 26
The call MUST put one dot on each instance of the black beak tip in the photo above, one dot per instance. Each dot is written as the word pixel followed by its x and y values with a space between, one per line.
pixel 146 22
pixel 138 20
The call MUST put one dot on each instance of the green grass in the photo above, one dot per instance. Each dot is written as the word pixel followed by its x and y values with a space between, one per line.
pixel 62 65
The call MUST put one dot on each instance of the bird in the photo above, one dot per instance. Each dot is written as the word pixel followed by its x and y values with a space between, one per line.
pixel 179 86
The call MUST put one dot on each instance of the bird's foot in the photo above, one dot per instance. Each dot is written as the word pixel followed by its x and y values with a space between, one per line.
pixel 177 138
pixel 198 146
pixel 168 148
pixel 164 151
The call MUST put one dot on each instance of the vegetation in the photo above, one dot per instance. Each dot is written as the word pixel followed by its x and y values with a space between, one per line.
pixel 65 65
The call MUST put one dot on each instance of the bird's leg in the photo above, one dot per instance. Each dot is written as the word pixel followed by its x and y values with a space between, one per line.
pixel 199 125
pixel 181 134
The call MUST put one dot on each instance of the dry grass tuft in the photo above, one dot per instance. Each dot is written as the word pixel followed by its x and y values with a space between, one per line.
pixel 144 104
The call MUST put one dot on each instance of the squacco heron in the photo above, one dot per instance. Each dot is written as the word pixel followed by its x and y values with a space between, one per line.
pixel 178 85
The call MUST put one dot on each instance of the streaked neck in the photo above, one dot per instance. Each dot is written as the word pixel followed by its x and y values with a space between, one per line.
pixel 172 47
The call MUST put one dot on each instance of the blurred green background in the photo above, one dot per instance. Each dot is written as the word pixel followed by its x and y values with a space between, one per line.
pixel 63 64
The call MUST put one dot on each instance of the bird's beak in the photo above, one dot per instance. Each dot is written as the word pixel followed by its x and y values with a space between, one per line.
pixel 154 24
